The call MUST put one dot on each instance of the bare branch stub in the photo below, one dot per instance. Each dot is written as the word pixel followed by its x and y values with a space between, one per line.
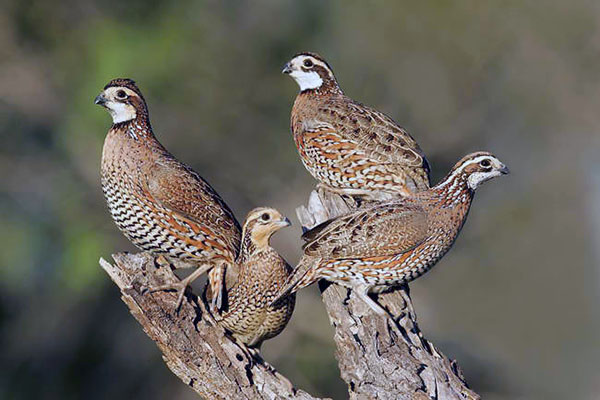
pixel 381 357
pixel 196 349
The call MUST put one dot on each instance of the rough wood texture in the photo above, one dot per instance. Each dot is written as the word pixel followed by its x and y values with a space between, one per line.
pixel 193 347
pixel 379 357
pixel 382 357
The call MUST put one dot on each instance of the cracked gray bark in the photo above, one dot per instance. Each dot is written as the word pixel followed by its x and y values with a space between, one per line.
pixel 381 357
pixel 195 349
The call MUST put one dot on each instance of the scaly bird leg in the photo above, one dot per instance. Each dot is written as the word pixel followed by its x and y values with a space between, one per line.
pixel 183 284
pixel 362 291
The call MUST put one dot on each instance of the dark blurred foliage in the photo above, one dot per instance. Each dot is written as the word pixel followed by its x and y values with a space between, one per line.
pixel 515 301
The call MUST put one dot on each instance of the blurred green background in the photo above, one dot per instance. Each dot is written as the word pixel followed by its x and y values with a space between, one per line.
pixel 515 301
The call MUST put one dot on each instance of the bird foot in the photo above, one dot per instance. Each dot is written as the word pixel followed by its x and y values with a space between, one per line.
pixel 182 285
pixel 363 293
pixel 206 314
pixel 179 287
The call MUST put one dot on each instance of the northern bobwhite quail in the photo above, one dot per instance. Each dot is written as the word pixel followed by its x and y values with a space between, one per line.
pixel 382 246
pixel 159 203
pixel 348 147
pixel 262 273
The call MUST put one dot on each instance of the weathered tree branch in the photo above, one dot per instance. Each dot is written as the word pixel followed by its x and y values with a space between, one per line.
pixel 382 357
pixel 379 357
pixel 195 349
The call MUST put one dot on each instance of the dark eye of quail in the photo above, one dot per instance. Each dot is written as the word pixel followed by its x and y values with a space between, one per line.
pixel 121 94
pixel 265 217
pixel 485 163
pixel 308 63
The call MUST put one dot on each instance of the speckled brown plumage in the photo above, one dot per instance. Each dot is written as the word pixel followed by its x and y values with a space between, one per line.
pixel 387 244
pixel 250 317
pixel 345 145
pixel 159 203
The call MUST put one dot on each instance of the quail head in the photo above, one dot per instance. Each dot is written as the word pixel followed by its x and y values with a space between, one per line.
pixel 348 147
pixel 159 203
pixel 250 317
pixel 383 245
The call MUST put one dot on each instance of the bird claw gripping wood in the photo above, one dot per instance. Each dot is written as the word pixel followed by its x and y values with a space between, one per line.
pixel 382 245
pixel 160 204
pixel 181 286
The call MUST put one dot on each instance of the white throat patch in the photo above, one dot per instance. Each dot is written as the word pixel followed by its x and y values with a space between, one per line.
pixel 120 112
pixel 477 178
pixel 307 80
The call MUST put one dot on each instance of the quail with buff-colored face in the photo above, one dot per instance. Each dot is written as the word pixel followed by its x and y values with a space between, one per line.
pixel 382 246
pixel 348 147
pixel 262 273
pixel 159 203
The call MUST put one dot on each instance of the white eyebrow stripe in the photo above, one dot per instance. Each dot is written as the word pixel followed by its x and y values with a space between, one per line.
pixel 458 170
pixel 475 160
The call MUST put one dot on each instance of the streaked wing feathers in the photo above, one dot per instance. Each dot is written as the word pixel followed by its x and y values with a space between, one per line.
pixel 371 132
pixel 181 190
pixel 378 231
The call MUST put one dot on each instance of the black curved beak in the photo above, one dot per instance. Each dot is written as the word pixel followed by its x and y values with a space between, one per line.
pixel 504 170
pixel 100 99
pixel 287 69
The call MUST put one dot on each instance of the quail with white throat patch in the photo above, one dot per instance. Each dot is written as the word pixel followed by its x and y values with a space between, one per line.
pixel 348 147
pixel 159 203
pixel 382 246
